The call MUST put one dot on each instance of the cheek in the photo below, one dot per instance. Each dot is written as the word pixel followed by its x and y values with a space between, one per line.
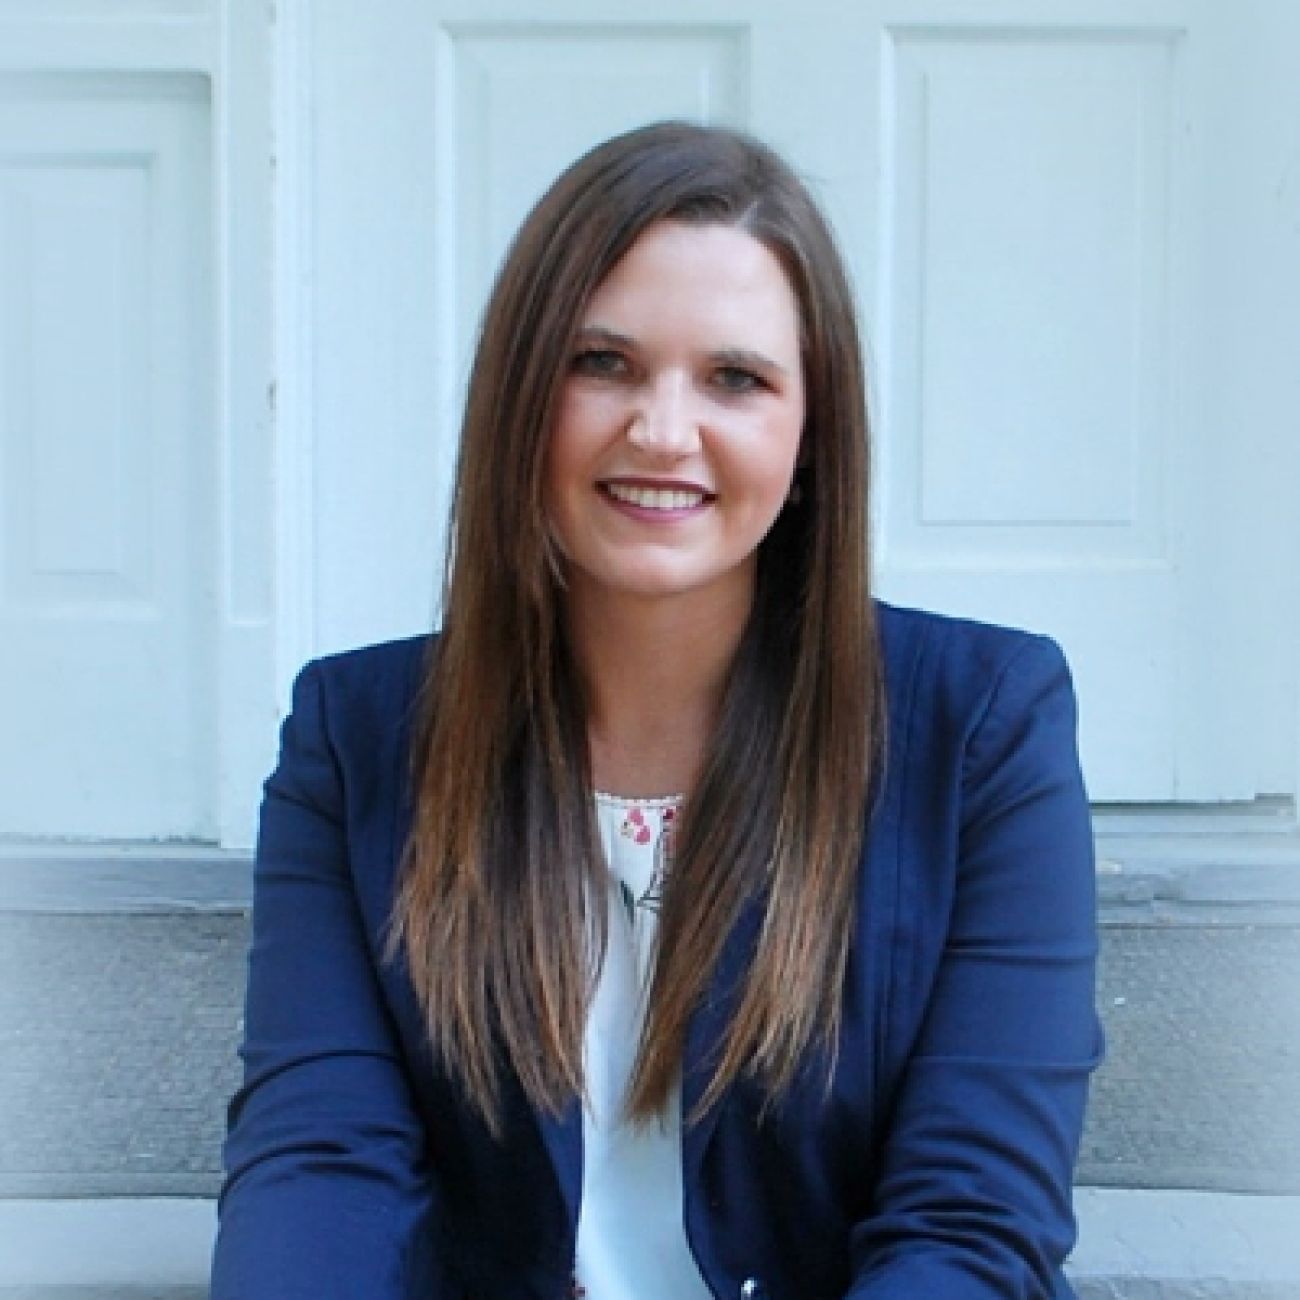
pixel 576 435
pixel 564 446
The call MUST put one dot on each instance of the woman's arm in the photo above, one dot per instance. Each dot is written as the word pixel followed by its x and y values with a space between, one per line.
pixel 326 1192
pixel 973 1197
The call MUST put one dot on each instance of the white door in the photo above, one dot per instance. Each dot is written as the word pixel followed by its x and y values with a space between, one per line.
pixel 1029 199
pixel 107 557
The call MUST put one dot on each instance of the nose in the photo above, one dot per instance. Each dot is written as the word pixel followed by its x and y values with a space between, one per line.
pixel 663 422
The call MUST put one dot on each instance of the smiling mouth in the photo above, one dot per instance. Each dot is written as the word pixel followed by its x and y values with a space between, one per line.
pixel 655 498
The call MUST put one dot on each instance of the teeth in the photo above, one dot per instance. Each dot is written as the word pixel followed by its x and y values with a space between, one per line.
pixel 654 498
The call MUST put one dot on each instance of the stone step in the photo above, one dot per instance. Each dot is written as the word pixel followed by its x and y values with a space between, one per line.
pixel 120 1001
pixel 119 1034
pixel 1133 1245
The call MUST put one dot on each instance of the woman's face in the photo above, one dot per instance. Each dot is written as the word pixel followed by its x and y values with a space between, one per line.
pixel 680 418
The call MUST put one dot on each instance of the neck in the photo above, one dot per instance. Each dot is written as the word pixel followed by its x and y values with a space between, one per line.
pixel 654 671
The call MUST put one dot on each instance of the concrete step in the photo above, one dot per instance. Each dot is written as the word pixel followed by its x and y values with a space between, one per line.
pixel 119 1034
pixel 120 999
pixel 1133 1245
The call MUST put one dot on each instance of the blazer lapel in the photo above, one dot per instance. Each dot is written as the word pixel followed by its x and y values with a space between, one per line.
pixel 562 1137
pixel 705 1034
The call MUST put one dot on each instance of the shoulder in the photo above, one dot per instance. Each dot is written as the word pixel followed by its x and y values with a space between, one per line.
pixel 377 664
pixel 957 683
pixel 956 646
pixel 345 742
pixel 382 677
pixel 360 703
pixel 940 657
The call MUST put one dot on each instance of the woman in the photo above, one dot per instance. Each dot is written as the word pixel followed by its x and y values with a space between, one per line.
pixel 680 922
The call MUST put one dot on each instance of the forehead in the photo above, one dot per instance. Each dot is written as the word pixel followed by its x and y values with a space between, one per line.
pixel 709 277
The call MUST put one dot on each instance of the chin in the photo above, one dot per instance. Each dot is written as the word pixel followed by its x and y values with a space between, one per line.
pixel 658 584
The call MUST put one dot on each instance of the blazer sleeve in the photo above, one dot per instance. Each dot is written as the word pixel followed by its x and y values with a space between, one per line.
pixel 973 1199
pixel 326 1192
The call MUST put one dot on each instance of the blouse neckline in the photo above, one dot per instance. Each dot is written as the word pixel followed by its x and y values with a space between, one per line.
pixel 630 801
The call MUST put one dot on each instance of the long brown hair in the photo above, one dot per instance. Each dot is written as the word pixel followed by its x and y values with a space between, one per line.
pixel 501 904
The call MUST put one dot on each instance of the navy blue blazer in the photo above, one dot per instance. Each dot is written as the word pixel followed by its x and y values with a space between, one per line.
pixel 936 1165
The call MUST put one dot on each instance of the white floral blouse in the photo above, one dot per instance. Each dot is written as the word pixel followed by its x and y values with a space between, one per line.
pixel 631 1240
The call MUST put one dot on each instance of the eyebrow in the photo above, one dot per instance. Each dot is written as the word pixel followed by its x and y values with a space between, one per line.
pixel 740 357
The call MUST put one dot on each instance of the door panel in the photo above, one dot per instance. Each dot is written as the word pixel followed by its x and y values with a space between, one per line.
pixel 1029 430
pixel 106 557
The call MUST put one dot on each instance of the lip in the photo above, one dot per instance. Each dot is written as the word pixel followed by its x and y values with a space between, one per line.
pixel 657 513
